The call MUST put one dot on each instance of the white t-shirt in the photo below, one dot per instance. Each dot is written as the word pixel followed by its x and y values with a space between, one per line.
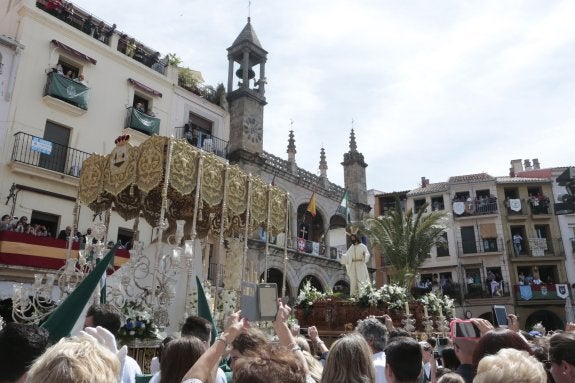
pixel 131 368
pixel 379 364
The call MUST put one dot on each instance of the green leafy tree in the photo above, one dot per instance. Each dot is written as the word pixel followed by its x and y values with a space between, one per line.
pixel 406 239
pixel 173 59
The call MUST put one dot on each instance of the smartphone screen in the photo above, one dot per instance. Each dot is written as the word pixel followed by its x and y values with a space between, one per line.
pixel 268 295
pixel 466 330
pixel 500 315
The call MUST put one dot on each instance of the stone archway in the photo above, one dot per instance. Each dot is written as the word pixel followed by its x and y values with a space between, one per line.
pixel 548 319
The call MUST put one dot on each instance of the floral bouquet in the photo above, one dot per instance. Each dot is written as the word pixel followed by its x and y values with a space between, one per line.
pixel 437 303
pixel 138 324
pixel 394 296
pixel 308 295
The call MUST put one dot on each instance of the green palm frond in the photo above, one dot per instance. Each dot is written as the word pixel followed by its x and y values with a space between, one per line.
pixel 405 239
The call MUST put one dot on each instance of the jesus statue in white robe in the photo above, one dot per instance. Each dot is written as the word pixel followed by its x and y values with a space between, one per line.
pixel 355 260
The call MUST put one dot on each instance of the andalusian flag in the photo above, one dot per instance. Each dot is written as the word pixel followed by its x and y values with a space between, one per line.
pixel 311 205
pixel 343 208
pixel 61 322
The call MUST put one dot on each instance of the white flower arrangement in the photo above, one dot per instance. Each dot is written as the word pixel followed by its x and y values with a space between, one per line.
pixel 394 296
pixel 437 303
pixel 369 295
pixel 227 302
pixel 1 322
pixel 308 295
pixel 193 297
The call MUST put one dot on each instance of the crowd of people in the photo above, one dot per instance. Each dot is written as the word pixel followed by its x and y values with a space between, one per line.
pixel 21 225
pixel 374 352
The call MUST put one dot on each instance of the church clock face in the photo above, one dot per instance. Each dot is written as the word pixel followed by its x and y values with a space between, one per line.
pixel 252 129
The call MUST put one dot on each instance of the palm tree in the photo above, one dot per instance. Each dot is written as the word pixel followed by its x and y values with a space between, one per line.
pixel 406 239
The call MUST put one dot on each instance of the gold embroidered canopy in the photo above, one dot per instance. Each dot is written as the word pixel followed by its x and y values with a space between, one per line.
pixel 132 180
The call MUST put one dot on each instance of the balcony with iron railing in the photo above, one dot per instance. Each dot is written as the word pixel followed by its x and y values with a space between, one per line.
pixel 143 122
pixel 540 206
pixel 536 247
pixel 203 140
pixel 515 208
pixel 475 207
pixel 489 289
pixel 38 152
pixel 96 28
pixel 66 89
pixel 107 34
pixel 448 288
pixel 485 245
pixel 303 246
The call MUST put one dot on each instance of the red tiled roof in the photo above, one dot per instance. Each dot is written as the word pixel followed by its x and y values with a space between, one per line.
pixel 537 173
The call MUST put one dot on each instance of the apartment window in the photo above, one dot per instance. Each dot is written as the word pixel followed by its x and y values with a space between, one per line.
pixel 387 203
pixel 518 240
pixel 437 203
pixel 542 240
pixel 482 193
pixel 58 136
pixel 70 68
pixel 534 191
pixel 468 242
pixel 125 235
pixel 198 132
pixel 142 104
pixel 49 221
pixel 461 196
pixel 512 193
pixel 418 204
pixel 443 250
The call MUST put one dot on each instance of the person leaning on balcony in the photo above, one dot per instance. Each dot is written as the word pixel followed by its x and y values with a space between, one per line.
pixel 80 79
pixel 131 48
pixel 5 224
pixel 64 234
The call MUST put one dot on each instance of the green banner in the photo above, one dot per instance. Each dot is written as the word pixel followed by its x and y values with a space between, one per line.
pixel 144 123
pixel 68 90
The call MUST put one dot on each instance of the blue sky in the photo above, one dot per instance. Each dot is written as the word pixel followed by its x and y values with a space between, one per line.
pixel 435 88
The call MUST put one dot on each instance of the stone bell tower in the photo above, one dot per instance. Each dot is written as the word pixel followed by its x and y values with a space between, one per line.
pixel 354 173
pixel 246 98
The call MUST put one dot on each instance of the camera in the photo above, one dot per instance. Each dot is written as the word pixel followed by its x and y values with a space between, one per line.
pixel 464 329
pixel 500 316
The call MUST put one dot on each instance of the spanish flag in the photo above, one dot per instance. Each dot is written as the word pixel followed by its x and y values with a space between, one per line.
pixel 311 205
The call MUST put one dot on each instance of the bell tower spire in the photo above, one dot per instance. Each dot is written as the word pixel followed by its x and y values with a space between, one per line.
pixel 354 174
pixel 246 98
